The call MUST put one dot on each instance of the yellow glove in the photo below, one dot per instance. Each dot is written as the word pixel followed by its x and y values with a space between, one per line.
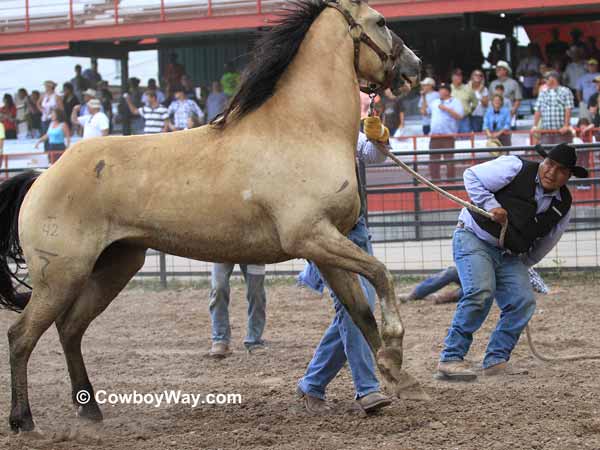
pixel 374 130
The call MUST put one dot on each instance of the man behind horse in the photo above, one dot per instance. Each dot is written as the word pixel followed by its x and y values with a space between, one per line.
pixel 343 341
pixel 535 201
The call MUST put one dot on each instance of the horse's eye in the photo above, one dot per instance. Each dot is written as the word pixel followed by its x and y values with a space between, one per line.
pixel 381 22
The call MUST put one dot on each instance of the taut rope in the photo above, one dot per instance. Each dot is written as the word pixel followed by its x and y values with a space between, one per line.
pixel 484 213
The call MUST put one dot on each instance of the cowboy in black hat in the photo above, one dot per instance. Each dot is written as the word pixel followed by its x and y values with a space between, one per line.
pixel 535 201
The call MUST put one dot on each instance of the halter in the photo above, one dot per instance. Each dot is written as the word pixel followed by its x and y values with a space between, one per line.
pixel 358 35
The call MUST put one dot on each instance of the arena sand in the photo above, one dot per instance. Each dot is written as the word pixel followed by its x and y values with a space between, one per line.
pixel 149 341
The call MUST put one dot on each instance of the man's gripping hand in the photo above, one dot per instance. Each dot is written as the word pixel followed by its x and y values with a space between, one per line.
pixel 375 131
pixel 499 215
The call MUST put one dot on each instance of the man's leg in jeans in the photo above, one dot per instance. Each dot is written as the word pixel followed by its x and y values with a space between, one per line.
pixel 257 303
pixel 516 300
pixel 435 283
pixel 219 302
pixel 476 268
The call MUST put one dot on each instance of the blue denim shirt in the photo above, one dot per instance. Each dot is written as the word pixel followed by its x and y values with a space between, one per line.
pixel 482 180
pixel 496 121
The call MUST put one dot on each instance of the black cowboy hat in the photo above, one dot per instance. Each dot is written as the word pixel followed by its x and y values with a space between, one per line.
pixel 565 155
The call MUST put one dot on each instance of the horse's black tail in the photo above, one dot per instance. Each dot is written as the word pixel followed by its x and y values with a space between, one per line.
pixel 12 193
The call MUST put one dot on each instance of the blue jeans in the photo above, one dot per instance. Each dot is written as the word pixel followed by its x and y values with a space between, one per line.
pixel 464 125
pixel 254 275
pixel 437 282
pixel 486 272
pixel 476 123
pixel 342 341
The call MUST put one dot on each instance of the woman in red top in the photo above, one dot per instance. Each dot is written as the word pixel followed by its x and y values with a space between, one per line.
pixel 8 116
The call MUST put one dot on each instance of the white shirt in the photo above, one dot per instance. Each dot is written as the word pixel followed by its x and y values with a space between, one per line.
pixel 93 125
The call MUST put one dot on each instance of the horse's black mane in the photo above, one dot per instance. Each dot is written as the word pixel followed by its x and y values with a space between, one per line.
pixel 272 54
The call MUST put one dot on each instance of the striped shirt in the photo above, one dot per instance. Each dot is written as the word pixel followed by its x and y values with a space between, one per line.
pixel 154 118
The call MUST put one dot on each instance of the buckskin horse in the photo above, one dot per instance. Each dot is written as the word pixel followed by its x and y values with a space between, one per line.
pixel 271 179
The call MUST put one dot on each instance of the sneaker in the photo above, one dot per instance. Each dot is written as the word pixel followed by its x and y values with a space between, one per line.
pixel 455 371
pixel 373 401
pixel 219 350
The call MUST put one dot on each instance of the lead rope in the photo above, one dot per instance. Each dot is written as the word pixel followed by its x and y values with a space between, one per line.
pixel 484 213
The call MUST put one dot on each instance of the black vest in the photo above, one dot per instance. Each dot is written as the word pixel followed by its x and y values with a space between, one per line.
pixel 518 199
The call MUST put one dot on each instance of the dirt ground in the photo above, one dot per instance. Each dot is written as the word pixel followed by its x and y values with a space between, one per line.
pixel 150 341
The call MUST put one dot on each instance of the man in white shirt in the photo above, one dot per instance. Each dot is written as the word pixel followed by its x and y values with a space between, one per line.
pixel 95 123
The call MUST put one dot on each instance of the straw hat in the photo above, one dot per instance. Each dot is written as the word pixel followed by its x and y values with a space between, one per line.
pixel 90 92
pixel 428 81
pixel 503 65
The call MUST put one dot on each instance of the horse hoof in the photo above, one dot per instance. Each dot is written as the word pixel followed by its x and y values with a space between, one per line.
pixel 408 388
pixel 91 412
pixel 21 424
pixel 389 361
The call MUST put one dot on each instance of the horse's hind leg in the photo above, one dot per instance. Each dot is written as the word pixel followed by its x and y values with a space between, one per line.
pixel 327 246
pixel 347 287
pixel 113 270
pixel 57 281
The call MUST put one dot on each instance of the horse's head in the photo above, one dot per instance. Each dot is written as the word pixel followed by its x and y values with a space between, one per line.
pixel 380 55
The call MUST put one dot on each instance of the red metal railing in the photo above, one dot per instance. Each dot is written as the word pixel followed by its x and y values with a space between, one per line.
pixel 35 15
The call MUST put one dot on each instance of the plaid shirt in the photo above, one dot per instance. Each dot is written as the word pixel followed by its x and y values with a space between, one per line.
pixel 182 111
pixel 552 104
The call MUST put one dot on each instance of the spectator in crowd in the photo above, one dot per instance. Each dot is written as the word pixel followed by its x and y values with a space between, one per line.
pixel 230 80
pixel 80 83
pixel 35 115
pixel 254 276
pixel 134 96
pixel 2 137
pixel 92 75
pixel 467 97
pixel 496 123
pixel 188 87
pixel 528 69
pixel 575 69
pixel 48 103
pixel 586 87
pixel 392 112
pixel 540 84
pixel 106 100
pixel 556 49
pixel 497 51
pixel 22 104
pixel 154 114
pixel 592 49
pixel 576 41
pixel 69 102
pixel 428 94
pixel 216 101
pixel 174 71
pixel 477 85
pixel 446 112
pixel 499 89
pixel 8 116
pixel 365 102
pixel 182 109
pixel 593 104
pixel 58 134
pixel 152 87
pixel 512 90
pixel 553 111
pixel 88 95
pixel 95 122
